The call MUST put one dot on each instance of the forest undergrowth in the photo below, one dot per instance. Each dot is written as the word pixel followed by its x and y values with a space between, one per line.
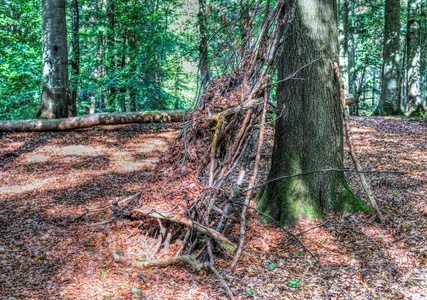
pixel 52 248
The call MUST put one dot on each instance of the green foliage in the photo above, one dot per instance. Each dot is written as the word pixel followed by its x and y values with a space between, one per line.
pixel 20 58
pixel 148 58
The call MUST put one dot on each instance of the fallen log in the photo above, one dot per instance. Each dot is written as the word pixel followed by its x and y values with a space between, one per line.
pixel 92 120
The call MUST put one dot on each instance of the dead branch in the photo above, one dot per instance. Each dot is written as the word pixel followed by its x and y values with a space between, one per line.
pixel 189 259
pixel 222 240
pixel 251 182
pixel 349 139
pixel 224 284
pixel 106 207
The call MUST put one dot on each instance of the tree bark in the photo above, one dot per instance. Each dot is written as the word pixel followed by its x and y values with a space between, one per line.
pixel 351 56
pixel 55 98
pixel 414 105
pixel 309 135
pixel 111 62
pixel 92 120
pixel 343 40
pixel 75 56
pixel 390 101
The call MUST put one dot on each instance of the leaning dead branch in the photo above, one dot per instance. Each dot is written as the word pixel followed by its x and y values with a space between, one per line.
pixel 349 139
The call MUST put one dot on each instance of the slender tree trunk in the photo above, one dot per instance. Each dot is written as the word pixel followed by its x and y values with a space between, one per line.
pixel 374 87
pixel 123 88
pixel 343 40
pixel 351 56
pixel 390 100
pixel 402 73
pixel 111 61
pixel 414 105
pixel 55 98
pixel 203 45
pixel 177 84
pixel 309 135
pixel 132 90
pixel 423 34
pixel 75 56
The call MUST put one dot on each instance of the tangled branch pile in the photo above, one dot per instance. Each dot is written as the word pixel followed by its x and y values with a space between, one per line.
pixel 218 140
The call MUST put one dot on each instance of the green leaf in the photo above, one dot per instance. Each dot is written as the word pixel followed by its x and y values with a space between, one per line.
pixel 249 292
pixel 271 266
pixel 294 283
pixel 103 271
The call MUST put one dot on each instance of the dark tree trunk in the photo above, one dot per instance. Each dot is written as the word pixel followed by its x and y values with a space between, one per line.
pixel 423 36
pixel 414 105
pixel 123 88
pixel 75 56
pixel 390 100
pixel 309 135
pixel 55 98
pixel 111 23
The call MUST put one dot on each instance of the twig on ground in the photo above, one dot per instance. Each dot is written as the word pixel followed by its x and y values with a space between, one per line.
pixel 106 207
pixel 224 284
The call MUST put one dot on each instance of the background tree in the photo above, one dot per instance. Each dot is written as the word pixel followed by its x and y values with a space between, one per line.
pixel 413 86
pixel 55 98
pixel 390 96
pixel 309 134
pixel 351 54
pixel 343 39
pixel 75 54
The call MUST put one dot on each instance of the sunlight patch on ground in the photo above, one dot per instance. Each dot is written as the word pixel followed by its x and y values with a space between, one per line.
pixel 31 184
pixel 81 150
pixel 354 129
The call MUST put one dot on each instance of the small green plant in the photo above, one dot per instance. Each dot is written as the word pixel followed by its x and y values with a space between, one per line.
pixel 294 283
pixel 103 271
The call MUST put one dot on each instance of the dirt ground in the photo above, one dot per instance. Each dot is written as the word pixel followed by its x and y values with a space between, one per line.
pixel 49 179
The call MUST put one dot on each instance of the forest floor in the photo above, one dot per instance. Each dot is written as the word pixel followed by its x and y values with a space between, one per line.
pixel 49 179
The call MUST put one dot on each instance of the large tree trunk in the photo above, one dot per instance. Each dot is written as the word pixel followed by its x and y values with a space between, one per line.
pixel 75 56
pixel 92 120
pixel 55 99
pixel 414 104
pixel 390 98
pixel 309 135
